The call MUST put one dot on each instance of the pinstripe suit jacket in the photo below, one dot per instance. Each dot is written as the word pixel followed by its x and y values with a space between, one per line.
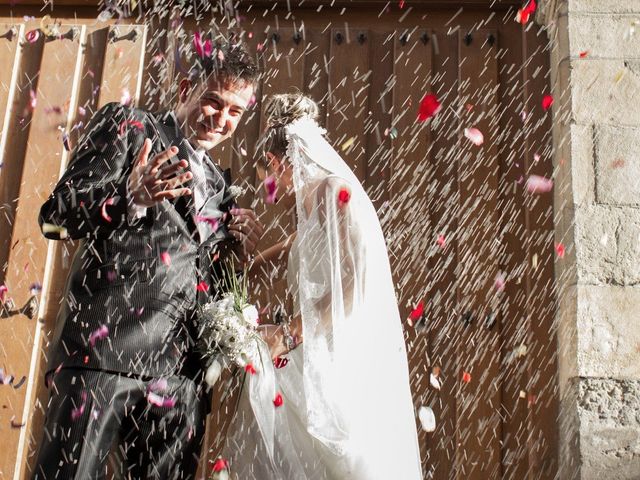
pixel 120 276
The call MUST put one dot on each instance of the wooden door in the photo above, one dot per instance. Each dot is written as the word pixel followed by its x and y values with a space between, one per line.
pixel 464 235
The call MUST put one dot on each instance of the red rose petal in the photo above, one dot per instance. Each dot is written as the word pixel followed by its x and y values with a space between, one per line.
pixel 278 401
pixel 416 313
pixel 220 465
pixel 466 377
pixel 429 107
pixel 280 362
pixel 202 287
pixel 249 368
pixel 560 250
pixel 343 197
pixel 547 101
pixel 32 36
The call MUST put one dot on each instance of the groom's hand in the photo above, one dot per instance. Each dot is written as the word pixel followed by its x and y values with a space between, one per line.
pixel 247 230
pixel 152 181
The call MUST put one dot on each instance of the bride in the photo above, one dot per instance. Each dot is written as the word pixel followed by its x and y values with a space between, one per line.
pixel 341 407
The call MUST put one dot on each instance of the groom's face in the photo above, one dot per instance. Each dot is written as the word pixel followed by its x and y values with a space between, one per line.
pixel 212 111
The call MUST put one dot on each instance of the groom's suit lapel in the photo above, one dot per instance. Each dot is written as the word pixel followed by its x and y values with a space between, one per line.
pixel 217 182
pixel 184 205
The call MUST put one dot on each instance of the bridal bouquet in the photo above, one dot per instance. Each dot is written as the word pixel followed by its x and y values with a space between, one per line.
pixel 228 329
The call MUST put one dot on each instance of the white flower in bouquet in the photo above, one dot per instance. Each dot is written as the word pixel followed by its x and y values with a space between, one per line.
pixel 250 314
pixel 228 330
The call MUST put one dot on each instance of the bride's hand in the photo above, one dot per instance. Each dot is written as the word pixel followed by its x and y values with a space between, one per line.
pixel 273 336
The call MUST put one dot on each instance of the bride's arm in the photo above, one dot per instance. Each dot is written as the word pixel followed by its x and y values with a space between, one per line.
pixel 274 254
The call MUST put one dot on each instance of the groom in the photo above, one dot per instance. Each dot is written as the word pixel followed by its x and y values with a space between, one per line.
pixel 155 217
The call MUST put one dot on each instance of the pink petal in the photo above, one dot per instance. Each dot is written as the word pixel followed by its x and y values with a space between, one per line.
pixel 159 385
pixel 212 221
pixel 99 334
pixel 159 401
pixel 79 410
pixel 125 98
pixel 538 184
pixel 271 187
pixel 197 44
pixel 166 258
pixel 474 135
pixel 103 209
pixel 208 48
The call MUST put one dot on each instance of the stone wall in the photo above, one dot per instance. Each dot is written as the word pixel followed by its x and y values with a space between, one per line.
pixel 595 61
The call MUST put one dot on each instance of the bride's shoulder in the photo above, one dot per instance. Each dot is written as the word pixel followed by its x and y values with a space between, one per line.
pixel 329 185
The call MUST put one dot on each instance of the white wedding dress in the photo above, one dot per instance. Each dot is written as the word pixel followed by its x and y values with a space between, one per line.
pixel 347 412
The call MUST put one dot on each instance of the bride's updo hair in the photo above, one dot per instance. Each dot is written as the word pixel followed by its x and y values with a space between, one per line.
pixel 280 111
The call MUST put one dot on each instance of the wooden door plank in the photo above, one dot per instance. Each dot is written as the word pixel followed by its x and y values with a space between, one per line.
pixel 93 49
pixel 123 65
pixel 379 124
pixel 478 456
pixel 316 68
pixel 349 87
pixel 542 388
pixel 10 55
pixel 410 177
pixel 514 260
pixel 30 261
pixel 16 125
pixel 443 321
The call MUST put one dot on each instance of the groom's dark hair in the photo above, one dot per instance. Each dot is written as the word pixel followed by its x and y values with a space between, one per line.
pixel 229 62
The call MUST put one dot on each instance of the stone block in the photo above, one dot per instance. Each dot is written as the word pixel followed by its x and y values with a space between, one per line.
pixel 609 416
pixel 608 343
pixel 605 91
pixel 617 165
pixel 608 35
pixel 606 246
pixel 602 6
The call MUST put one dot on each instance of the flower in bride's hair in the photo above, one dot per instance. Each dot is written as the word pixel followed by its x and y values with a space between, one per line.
pixel 344 195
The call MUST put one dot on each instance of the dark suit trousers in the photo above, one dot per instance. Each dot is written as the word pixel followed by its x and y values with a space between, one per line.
pixel 90 412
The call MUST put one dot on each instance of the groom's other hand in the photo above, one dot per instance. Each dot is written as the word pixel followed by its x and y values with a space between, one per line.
pixel 152 181
pixel 247 230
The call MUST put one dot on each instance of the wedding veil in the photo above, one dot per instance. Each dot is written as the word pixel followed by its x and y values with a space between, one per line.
pixel 356 382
